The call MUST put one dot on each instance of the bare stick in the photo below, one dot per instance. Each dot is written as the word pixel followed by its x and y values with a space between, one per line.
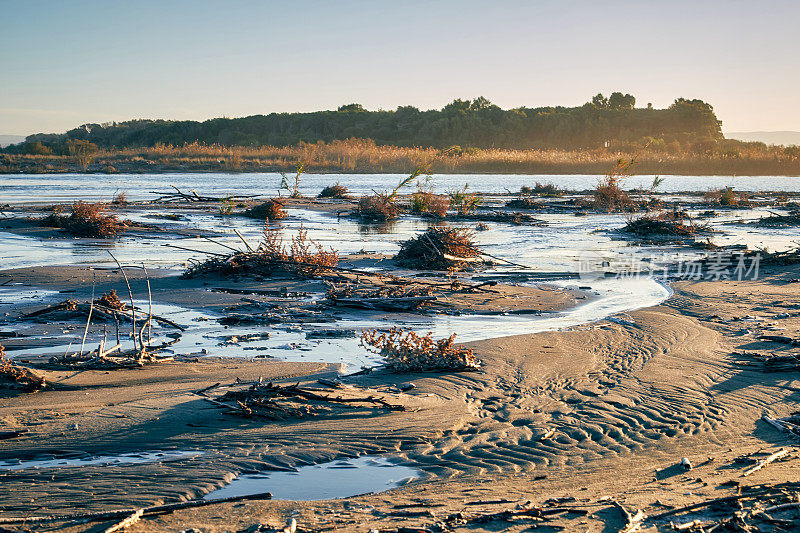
pixel 149 305
pixel 244 241
pixel 130 293
pixel 89 317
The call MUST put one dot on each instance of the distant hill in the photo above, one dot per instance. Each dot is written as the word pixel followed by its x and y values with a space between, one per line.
pixel 769 137
pixel 5 140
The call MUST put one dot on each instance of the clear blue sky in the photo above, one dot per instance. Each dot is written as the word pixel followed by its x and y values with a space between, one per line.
pixel 65 63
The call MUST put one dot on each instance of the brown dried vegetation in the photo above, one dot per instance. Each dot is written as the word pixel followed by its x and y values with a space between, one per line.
pixel 86 220
pixel 439 248
pixel 405 351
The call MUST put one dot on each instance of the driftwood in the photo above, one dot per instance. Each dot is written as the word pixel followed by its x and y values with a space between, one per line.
pixel 280 402
pixel 126 522
pixel 764 462
pixel 127 513
pixel 633 522
pixel 408 303
pixel 192 196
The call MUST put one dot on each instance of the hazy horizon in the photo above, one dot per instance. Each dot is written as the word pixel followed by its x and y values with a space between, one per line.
pixel 91 61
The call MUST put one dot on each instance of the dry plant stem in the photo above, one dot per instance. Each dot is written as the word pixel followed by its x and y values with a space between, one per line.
pixel 89 317
pixel 130 294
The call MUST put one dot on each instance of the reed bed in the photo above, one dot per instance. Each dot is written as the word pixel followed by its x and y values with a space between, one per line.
pixel 362 156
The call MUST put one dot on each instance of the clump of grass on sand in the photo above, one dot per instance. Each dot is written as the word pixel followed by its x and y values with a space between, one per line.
pixel 304 257
pixel 15 377
pixel 270 210
pixel 439 248
pixel 668 223
pixel 86 220
pixel 336 190
pixel 405 351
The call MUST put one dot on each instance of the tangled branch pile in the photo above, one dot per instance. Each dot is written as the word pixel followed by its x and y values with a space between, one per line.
pixel 86 220
pixel 277 402
pixel 384 206
pixel 726 197
pixel 668 223
pixel 304 257
pixel 269 210
pixel 790 219
pixel 405 351
pixel 387 297
pixel 16 377
pixel 439 248
pixel 524 202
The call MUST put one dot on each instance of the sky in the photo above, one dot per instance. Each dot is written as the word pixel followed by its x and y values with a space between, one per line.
pixel 63 64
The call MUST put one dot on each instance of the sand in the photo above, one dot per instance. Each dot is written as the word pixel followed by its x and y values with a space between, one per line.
pixel 589 413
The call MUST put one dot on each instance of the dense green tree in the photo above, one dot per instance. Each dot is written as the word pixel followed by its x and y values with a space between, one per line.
pixel 467 123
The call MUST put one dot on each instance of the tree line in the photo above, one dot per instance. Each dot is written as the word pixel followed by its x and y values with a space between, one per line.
pixel 476 123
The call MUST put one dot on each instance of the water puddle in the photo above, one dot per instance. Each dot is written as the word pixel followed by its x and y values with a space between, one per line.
pixel 100 460
pixel 325 481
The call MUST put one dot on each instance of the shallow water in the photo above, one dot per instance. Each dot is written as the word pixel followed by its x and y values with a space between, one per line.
pixel 326 481
pixel 49 188
pixel 100 460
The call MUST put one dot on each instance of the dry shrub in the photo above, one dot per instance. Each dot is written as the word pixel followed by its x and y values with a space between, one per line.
pixel 304 257
pixel 668 223
pixel 334 191
pixel 13 376
pixel 609 196
pixel 524 203
pixel 110 300
pixel 379 207
pixel 726 197
pixel 121 198
pixel 427 203
pixel 270 210
pixel 86 220
pixel 405 351
pixel 439 248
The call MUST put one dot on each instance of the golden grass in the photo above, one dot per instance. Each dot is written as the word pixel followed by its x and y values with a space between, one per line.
pixel 362 156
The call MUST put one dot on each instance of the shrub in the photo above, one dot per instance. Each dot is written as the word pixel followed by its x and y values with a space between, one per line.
pixel 304 257
pixel 465 202
pixel 428 204
pixel 668 223
pixel 334 191
pixel 523 203
pixel 270 210
pixel 439 248
pixel 294 188
pixel 86 220
pixel 405 351
pixel 727 197
pixel 547 190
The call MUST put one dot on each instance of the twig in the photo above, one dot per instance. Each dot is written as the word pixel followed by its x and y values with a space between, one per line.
pixel 89 317
pixel 130 293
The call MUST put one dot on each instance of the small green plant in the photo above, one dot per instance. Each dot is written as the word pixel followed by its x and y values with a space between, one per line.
pixel 466 203
pixel 424 202
pixel 293 188
pixel 226 206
